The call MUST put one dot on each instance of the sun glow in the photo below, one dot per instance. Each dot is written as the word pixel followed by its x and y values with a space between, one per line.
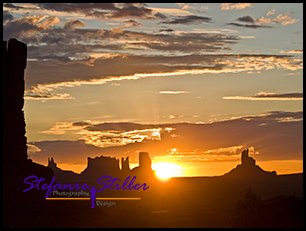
pixel 165 170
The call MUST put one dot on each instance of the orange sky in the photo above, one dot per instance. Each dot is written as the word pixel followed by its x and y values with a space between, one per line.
pixel 191 83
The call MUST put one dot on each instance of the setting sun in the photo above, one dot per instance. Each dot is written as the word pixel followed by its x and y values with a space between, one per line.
pixel 165 170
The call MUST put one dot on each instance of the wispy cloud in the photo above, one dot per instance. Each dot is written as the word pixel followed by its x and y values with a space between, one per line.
pixel 175 116
pixel 253 26
pixel 105 69
pixel 170 11
pixel 268 96
pixel 292 52
pixel 235 6
pixel 173 92
pixel 261 22
pixel 188 20
pixel 271 12
pixel 103 135
pixel 285 19
pixel 73 49
pixel 95 10
pixel 32 95
pixel 250 22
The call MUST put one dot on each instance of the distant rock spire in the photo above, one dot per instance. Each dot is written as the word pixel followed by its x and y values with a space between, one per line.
pixel 246 159
pixel 51 163
pixel 125 164
pixel 248 168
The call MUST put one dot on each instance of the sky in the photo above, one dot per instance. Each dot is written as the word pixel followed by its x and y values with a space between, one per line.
pixel 193 84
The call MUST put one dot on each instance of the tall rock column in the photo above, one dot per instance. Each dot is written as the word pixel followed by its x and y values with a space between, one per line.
pixel 16 165
pixel 145 161
pixel 14 140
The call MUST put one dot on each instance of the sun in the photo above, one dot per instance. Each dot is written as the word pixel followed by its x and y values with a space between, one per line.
pixel 165 170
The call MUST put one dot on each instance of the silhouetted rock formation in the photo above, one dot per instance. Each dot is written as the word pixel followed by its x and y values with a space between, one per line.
pixel 144 170
pixel 16 166
pixel 248 169
pixel 14 63
pixel 125 164
pixel 246 159
pixel 100 166
pixel 51 163
pixel 145 161
pixel 62 176
pixel 103 165
pixel 96 168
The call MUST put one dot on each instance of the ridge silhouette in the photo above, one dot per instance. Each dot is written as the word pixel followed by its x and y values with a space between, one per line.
pixel 248 168
pixel 103 165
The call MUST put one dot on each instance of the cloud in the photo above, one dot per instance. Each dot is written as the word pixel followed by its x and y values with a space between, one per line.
pixel 7 16
pixel 73 24
pixel 246 18
pixel 285 19
pixel 280 19
pixel 292 52
pixel 72 38
pixel 185 6
pixel 258 23
pixel 19 7
pixel 105 69
pixel 251 22
pixel 32 149
pixel 268 96
pixel 131 23
pixel 103 10
pixel 234 150
pixel 170 11
pixel 271 12
pixel 31 95
pixel 28 26
pixel 276 135
pixel 263 20
pixel 166 30
pixel 59 54
pixel 173 92
pixel 102 134
pixel 188 20
pixel 253 26
pixel 101 126
pixel 175 116
pixel 235 6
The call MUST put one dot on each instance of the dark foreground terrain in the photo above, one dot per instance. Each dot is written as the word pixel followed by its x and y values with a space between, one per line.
pixel 179 202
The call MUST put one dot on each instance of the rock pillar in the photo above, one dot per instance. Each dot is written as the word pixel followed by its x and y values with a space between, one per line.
pixel 14 63
pixel 145 161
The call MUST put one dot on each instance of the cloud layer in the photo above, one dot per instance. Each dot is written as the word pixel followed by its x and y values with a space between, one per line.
pixel 104 69
pixel 263 21
pixel 268 96
pixel 276 135
pixel 187 20
pixel 97 10
pixel 57 44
